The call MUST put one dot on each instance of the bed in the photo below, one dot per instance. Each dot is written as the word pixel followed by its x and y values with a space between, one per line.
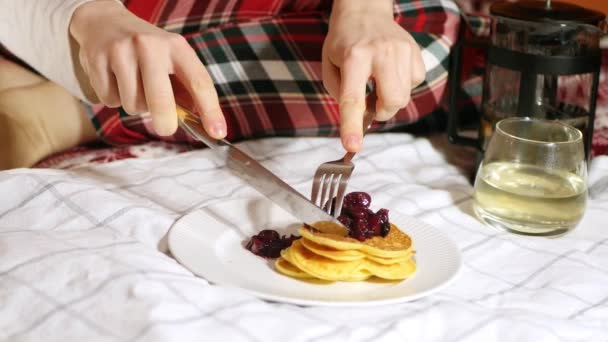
pixel 83 253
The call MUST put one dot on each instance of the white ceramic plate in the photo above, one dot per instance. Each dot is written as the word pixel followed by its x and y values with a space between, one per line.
pixel 210 243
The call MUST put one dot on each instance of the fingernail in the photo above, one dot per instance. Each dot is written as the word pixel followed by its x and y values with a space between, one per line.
pixel 353 141
pixel 219 130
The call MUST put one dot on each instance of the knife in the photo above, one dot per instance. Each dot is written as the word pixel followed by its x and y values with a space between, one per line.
pixel 260 178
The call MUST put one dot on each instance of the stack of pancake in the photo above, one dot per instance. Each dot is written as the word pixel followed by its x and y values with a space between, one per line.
pixel 332 257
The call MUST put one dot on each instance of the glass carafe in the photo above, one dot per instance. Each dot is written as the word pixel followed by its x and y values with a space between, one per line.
pixel 563 92
pixel 543 60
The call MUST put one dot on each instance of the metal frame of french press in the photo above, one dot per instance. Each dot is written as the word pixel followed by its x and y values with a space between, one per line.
pixel 529 66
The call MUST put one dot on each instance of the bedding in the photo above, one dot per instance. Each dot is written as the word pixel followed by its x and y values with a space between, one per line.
pixel 83 255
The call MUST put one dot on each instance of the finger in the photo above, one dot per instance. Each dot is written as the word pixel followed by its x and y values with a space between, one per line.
pixel 83 75
pixel 130 85
pixel 331 77
pixel 392 84
pixel 195 78
pixel 159 94
pixel 354 74
pixel 418 68
pixel 103 82
pixel 83 61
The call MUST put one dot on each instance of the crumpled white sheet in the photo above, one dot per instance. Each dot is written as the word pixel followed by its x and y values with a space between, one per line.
pixel 82 255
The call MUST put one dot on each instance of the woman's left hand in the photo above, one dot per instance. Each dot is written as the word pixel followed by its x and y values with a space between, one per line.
pixel 364 42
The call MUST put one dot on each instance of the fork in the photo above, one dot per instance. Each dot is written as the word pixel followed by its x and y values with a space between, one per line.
pixel 331 178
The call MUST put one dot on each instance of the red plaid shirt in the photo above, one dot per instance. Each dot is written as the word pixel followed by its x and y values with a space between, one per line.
pixel 265 59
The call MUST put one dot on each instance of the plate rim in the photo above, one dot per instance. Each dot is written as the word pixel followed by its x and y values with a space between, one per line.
pixel 320 303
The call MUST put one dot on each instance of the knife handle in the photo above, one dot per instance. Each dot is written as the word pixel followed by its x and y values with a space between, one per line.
pixel 192 124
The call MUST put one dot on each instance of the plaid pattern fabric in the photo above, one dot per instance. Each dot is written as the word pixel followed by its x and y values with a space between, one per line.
pixel 265 59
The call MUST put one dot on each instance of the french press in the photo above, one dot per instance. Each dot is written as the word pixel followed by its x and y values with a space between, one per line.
pixel 536 52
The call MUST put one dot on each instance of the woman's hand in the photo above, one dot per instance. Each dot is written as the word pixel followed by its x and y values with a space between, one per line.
pixel 364 42
pixel 128 62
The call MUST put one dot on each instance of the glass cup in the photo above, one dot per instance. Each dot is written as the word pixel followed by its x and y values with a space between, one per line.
pixel 533 178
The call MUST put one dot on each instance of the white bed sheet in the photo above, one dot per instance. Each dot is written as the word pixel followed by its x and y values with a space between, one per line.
pixel 83 255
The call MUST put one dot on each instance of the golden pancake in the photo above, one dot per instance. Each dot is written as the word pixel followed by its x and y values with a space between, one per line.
pixel 331 253
pixel 292 270
pixel 332 257
pixel 322 267
pixel 359 275
pixel 285 267
pixel 396 271
pixel 350 255
pixel 395 245
pixel 327 269
pixel 389 261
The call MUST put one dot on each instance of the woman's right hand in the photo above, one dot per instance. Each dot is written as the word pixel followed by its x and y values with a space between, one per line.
pixel 128 62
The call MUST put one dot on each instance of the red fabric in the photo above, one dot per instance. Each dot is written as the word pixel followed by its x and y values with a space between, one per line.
pixel 265 60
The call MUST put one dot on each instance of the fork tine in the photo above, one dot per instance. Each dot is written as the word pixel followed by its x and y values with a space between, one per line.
pixel 332 192
pixel 325 189
pixel 316 183
pixel 340 194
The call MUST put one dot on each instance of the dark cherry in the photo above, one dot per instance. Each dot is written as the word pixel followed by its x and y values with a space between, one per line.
pixel 357 199
pixel 269 235
pixel 385 229
pixel 383 214
pixel 357 212
pixel 362 221
pixel 385 224
pixel 268 243
pixel 345 220
pixel 358 234
pixel 375 224
pixel 256 245
pixel 360 224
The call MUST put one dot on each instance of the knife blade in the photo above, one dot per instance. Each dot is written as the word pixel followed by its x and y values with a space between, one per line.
pixel 260 178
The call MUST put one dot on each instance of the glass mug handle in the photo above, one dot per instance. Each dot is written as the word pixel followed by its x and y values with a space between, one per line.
pixel 454 79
